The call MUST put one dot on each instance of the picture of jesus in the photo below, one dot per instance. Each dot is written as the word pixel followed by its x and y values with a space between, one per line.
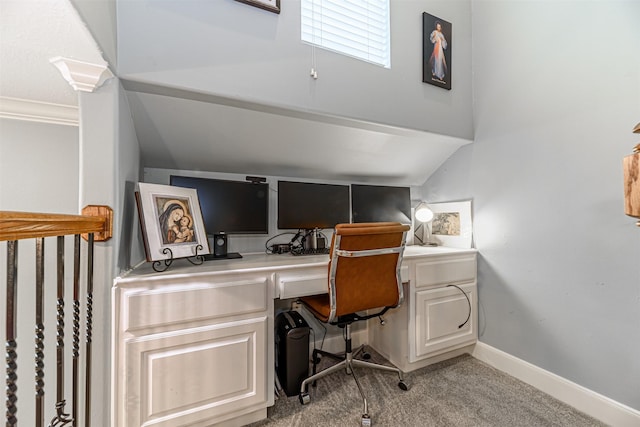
pixel 436 51
pixel 437 60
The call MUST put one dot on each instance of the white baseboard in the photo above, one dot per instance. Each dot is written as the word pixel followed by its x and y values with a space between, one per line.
pixel 596 405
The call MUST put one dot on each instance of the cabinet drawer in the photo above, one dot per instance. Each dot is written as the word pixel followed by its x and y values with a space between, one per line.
pixel 170 305
pixel 312 282
pixel 441 271
pixel 296 284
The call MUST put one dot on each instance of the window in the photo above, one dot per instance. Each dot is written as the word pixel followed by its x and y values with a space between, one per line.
pixel 358 28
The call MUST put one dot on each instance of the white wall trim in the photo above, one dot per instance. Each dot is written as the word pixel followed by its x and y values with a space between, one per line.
pixel 596 405
pixel 35 111
pixel 81 75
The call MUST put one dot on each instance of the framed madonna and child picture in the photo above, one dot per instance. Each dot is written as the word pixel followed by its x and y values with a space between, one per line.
pixel 436 51
pixel 171 222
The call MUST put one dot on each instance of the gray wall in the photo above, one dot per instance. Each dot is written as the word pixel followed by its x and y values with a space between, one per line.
pixel 556 93
pixel 129 173
pixel 231 49
pixel 29 179
pixel 110 166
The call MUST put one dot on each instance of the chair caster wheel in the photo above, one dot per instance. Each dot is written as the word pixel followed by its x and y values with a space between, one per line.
pixel 403 386
pixel 366 355
pixel 304 398
pixel 365 421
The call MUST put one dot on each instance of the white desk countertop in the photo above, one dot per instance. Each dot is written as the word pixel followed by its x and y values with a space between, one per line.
pixel 261 261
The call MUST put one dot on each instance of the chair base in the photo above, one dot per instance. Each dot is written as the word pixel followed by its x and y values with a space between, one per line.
pixel 347 362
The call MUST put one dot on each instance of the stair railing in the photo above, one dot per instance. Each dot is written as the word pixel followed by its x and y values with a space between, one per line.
pixel 94 225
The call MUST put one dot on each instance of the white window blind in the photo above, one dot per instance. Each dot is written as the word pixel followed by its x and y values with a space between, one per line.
pixel 358 28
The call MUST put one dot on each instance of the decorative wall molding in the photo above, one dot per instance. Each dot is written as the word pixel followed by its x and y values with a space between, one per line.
pixel 36 111
pixel 83 76
pixel 591 403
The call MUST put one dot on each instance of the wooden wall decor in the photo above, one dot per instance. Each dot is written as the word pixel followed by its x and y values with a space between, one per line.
pixel 631 166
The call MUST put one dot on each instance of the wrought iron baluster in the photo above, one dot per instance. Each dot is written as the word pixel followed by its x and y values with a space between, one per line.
pixel 60 419
pixel 87 401
pixel 11 353
pixel 76 329
pixel 39 333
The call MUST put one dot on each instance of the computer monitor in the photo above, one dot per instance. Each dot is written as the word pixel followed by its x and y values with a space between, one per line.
pixel 229 207
pixel 376 203
pixel 307 206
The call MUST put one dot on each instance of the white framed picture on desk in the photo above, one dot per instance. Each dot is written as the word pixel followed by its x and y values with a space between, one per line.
pixel 451 225
pixel 171 222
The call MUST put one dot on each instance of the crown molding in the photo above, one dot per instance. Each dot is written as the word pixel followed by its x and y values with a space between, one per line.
pixel 82 76
pixel 36 111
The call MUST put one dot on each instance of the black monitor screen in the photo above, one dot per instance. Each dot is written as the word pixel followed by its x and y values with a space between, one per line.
pixel 375 203
pixel 233 207
pixel 304 205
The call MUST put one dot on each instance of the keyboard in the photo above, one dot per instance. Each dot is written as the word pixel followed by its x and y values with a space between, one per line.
pixel 320 251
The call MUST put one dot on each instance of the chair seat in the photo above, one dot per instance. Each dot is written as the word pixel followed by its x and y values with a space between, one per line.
pixel 319 305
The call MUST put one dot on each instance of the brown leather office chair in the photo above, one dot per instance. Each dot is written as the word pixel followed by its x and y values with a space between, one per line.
pixel 364 274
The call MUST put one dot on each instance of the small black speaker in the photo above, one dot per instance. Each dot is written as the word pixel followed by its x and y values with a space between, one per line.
pixel 220 245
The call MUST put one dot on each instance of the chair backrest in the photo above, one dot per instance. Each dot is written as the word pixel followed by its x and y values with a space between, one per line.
pixel 364 267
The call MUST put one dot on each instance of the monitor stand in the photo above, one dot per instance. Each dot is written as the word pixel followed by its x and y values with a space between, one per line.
pixel 228 255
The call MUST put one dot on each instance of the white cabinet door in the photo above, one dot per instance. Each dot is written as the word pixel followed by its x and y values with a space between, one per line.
pixel 191 375
pixel 440 316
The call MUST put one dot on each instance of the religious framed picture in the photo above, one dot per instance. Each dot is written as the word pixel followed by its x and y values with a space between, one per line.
pixel 451 224
pixel 270 5
pixel 436 51
pixel 171 222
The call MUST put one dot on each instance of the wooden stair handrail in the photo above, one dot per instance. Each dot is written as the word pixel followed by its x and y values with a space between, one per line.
pixel 28 225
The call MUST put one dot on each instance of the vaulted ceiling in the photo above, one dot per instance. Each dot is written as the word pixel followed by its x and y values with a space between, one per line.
pixel 31 33
pixel 195 130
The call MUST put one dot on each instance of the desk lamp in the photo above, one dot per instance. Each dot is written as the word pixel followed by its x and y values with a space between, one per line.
pixel 423 216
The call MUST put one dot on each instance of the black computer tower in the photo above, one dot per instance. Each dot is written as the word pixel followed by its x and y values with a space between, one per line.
pixel 292 351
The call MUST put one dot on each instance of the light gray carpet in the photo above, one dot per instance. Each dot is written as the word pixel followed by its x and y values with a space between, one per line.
pixel 459 392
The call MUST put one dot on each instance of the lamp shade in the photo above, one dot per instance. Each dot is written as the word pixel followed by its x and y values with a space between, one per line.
pixel 423 213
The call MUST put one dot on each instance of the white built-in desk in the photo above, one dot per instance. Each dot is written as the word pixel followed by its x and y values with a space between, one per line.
pixel 194 345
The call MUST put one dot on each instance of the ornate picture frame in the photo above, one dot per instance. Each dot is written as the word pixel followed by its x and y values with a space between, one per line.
pixel 270 5
pixel 171 222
